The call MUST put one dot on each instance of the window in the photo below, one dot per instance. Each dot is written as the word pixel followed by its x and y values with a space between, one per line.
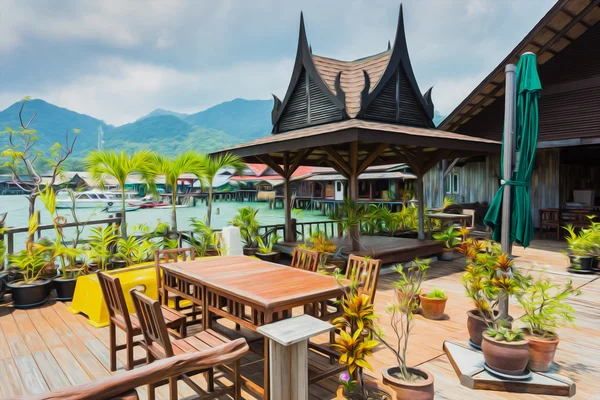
pixel 339 186
pixel 455 183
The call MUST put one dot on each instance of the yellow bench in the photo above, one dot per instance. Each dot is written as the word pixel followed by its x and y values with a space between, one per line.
pixel 88 297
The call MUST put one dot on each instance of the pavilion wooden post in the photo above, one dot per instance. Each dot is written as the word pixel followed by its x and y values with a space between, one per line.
pixel 288 355
pixel 353 191
pixel 421 206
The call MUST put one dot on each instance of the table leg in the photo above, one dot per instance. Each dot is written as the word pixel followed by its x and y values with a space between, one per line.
pixel 267 371
pixel 206 320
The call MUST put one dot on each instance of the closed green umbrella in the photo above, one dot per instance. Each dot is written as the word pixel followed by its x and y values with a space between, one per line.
pixel 527 120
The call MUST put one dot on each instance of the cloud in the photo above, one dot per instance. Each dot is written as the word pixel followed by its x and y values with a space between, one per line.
pixel 118 60
pixel 120 91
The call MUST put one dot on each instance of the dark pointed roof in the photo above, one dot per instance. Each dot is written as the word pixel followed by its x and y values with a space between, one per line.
pixel 352 86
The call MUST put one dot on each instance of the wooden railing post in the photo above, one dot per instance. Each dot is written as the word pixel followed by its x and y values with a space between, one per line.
pixel 293 226
pixel 288 354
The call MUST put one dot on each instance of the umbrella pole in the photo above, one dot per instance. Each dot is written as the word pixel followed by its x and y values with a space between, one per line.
pixel 510 124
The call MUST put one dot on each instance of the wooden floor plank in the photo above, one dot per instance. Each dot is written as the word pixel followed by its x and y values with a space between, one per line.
pixel 31 376
pixel 53 374
pixel 10 380
pixel 5 352
pixel 15 341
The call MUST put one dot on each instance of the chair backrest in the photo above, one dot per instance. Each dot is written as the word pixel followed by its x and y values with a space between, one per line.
pixel 152 321
pixel 305 259
pixel 549 215
pixel 366 272
pixel 471 213
pixel 170 255
pixel 114 298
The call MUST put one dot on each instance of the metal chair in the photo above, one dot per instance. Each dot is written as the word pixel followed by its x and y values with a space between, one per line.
pixel 305 259
pixel 119 317
pixel 159 346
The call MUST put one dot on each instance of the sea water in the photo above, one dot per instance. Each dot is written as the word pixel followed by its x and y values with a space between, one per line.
pixel 222 213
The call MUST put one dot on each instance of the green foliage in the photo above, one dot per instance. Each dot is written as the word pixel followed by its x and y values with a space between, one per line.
pixel 580 244
pixel 101 242
pixel 489 273
pixel 266 246
pixel 357 329
pixel 544 303
pixel 450 236
pixel 202 238
pixel 402 309
pixel 504 334
pixel 436 293
pixel 120 165
pixel 448 201
pixel 246 220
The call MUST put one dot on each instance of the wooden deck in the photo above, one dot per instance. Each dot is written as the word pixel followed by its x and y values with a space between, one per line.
pixel 388 249
pixel 48 348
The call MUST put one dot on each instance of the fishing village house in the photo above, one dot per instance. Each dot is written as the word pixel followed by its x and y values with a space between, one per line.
pixel 567 169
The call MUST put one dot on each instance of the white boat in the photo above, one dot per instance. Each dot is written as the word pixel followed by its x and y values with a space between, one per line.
pixel 86 199
pixel 117 208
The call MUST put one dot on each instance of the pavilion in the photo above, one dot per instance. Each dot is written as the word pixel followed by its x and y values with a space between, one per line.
pixel 349 115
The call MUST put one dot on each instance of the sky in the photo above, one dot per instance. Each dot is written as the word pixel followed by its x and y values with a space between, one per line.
pixel 118 60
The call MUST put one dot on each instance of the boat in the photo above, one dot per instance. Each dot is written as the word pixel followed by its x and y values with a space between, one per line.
pixel 131 198
pixel 86 199
pixel 118 208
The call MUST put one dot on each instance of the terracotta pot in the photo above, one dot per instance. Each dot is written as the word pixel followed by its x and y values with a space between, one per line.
pixel 415 300
pixel 509 358
pixel 475 325
pixel 447 255
pixel 421 390
pixel 541 352
pixel 432 308
pixel 372 385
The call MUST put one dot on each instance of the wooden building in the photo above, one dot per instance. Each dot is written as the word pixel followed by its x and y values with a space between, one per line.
pixel 350 115
pixel 567 44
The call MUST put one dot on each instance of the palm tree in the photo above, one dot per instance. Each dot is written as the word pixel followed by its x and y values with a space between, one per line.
pixel 173 168
pixel 212 165
pixel 120 166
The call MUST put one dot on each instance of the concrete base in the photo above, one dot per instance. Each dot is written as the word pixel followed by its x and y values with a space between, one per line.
pixel 468 365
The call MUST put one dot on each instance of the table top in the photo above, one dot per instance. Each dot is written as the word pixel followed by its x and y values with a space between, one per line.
pixel 447 216
pixel 259 282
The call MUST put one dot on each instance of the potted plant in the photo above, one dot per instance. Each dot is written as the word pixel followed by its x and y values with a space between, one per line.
pixel 246 220
pixel 505 350
pixel 265 249
pixel 407 382
pixel 72 267
pixel 202 238
pixel 433 303
pixel 31 289
pixel 581 248
pixel 101 242
pixel 488 274
pixel 329 256
pixel 356 342
pixel 545 310
pixel 450 238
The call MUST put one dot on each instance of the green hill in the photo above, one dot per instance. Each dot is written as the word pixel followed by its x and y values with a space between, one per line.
pixel 51 123
pixel 161 111
pixel 243 119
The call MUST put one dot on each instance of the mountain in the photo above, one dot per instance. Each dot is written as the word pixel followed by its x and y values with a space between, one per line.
pixel 51 123
pixel 243 119
pixel 161 111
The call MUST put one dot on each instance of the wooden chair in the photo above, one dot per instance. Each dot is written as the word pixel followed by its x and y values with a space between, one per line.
pixel 122 386
pixel 549 222
pixel 119 317
pixel 159 346
pixel 305 259
pixel 366 272
pixel 174 255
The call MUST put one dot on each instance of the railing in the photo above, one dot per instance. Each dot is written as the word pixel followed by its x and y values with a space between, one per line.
pixel 329 228
pixel 10 233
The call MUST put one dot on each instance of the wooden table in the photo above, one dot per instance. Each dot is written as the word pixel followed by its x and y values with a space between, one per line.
pixel 249 292
pixel 446 218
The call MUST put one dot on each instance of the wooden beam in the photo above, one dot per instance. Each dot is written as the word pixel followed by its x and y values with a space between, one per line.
pixel 371 157
pixel 339 161
pixel 412 159
pixel 300 158
pixel 435 159
pixel 267 160
pixel 478 104
pixel 452 165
